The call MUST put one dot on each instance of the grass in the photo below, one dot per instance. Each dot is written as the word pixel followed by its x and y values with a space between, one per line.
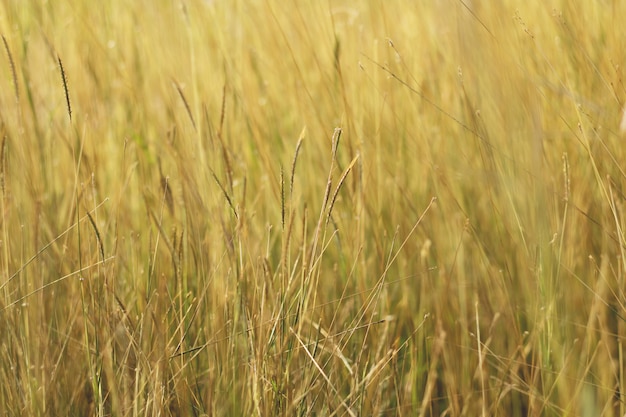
pixel 312 208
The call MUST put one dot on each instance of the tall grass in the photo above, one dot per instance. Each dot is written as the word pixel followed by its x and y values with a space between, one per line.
pixel 312 208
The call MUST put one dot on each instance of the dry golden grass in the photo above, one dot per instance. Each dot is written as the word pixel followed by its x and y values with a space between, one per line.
pixel 312 208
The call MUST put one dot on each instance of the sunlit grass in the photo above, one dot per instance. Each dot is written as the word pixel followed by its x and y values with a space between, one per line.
pixel 312 208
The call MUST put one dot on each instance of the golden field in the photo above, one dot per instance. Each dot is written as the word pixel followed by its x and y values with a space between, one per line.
pixel 303 208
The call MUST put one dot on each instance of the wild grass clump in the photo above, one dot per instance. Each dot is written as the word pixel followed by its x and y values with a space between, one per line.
pixel 304 208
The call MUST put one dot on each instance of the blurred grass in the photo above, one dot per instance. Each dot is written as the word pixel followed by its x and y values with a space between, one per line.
pixel 308 208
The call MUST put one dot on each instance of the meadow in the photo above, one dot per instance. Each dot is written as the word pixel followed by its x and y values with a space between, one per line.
pixel 312 208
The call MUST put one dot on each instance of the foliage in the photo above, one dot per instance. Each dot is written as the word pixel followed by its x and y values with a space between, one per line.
pixel 312 208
